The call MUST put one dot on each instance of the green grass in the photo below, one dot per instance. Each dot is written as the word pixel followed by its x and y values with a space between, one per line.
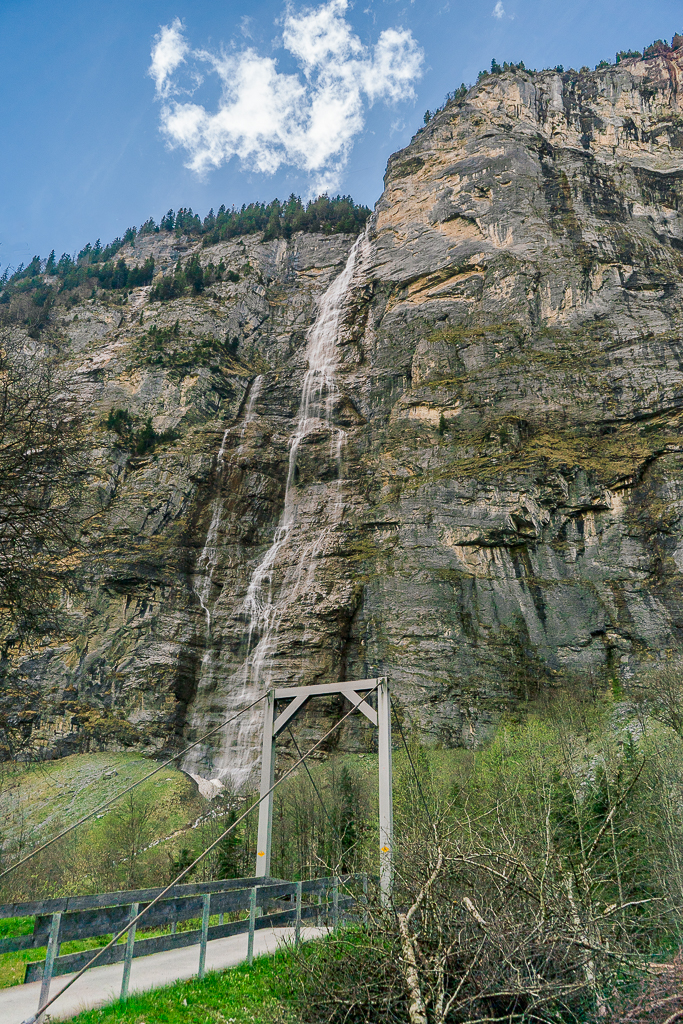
pixel 15 926
pixel 39 799
pixel 259 994
pixel 13 965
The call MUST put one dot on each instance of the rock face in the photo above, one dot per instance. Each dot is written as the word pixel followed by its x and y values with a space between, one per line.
pixel 490 499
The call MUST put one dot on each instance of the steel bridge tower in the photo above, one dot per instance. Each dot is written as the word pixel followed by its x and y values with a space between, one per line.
pixel 298 696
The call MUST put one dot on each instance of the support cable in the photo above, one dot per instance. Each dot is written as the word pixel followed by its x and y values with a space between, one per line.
pixel 123 792
pixel 410 760
pixel 335 830
pixel 317 791
pixel 33 1019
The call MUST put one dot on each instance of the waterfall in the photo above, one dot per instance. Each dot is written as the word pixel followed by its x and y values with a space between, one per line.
pixel 206 563
pixel 262 607
pixel 208 559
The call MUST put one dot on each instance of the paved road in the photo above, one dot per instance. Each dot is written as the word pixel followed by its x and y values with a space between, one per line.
pixel 103 984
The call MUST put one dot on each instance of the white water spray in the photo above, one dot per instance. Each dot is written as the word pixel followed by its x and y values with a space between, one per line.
pixel 206 563
pixel 240 749
pixel 208 560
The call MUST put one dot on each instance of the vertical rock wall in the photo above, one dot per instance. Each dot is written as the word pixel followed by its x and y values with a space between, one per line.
pixel 510 390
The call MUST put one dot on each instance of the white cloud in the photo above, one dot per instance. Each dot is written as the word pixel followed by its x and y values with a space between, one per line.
pixel 267 118
pixel 168 54
pixel 498 11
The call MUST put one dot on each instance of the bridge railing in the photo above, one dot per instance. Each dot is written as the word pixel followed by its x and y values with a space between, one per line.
pixel 270 903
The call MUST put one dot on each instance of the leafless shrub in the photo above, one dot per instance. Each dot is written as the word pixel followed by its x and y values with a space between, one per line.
pixel 535 890
pixel 479 931
pixel 655 1001
pixel 42 464
pixel 658 694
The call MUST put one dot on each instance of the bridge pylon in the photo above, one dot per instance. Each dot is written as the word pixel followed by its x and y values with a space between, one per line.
pixel 273 725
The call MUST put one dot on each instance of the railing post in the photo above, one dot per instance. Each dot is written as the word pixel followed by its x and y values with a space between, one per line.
pixel 128 958
pixel 52 951
pixel 206 905
pixel 335 904
pixel 297 924
pixel 252 923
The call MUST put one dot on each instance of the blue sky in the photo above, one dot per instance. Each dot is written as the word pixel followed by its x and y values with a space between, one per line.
pixel 86 131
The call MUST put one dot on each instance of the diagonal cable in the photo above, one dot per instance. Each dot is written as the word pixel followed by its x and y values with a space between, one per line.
pixel 308 772
pixel 190 867
pixel 123 792
pixel 410 759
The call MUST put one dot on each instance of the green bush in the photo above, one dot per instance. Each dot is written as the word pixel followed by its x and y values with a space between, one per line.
pixel 140 440
pixel 120 421
pixel 171 287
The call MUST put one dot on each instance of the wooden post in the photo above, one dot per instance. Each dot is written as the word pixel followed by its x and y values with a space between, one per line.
pixel 206 904
pixel 335 904
pixel 252 922
pixel 297 925
pixel 52 952
pixel 128 958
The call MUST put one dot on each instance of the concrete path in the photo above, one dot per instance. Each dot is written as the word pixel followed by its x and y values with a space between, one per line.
pixel 103 984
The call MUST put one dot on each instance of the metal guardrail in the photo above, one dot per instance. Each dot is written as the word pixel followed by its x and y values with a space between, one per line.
pixel 123 897
pixel 81 917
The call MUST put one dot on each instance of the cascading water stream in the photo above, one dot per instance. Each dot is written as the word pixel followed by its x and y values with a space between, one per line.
pixel 206 563
pixel 240 749
pixel 318 385
pixel 208 559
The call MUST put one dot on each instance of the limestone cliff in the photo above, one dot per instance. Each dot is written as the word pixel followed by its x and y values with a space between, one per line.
pixel 494 501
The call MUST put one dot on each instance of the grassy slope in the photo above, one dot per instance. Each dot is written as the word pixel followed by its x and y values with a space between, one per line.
pixel 38 799
pixel 13 965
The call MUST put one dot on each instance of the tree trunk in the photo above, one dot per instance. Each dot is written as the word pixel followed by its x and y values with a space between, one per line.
pixel 416 1005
